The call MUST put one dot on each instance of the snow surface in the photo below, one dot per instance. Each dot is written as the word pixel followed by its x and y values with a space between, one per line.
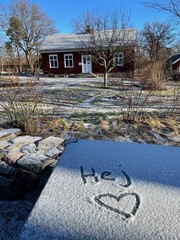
pixel 134 195
pixel 62 42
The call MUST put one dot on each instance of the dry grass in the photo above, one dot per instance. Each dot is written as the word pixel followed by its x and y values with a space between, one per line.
pixel 20 102
pixel 86 124
pixel 163 124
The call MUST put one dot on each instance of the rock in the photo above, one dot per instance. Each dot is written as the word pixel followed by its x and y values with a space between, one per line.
pixel 27 149
pixel 24 140
pixel 12 218
pixel 50 142
pixel 8 137
pixel 9 131
pixel 13 156
pixel 4 144
pixel 52 152
pixel 6 192
pixel 5 169
pixel 17 150
pixel 5 182
pixel 2 153
pixel 14 147
pixel 35 162
pixel 25 181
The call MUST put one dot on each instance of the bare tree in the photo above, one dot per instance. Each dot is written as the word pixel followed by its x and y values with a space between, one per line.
pixel 169 6
pixel 26 27
pixel 175 48
pixel 155 39
pixel 104 38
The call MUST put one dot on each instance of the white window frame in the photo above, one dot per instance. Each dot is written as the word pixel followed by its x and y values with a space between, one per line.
pixel 53 61
pixel 68 60
pixel 119 59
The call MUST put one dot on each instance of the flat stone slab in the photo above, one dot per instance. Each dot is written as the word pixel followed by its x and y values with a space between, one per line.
pixel 25 140
pixel 4 132
pixel 35 162
pixel 110 190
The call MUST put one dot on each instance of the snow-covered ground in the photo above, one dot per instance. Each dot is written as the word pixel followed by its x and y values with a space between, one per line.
pixel 96 98
pixel 110 191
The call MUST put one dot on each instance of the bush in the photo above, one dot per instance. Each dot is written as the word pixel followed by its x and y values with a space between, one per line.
pixel 21 102
pixel 154 76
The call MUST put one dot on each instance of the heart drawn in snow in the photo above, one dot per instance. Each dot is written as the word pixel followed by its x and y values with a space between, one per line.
pixel 100 199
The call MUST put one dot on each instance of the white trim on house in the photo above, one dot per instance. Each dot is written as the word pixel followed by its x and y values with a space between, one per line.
pixel 60 51
pixel 68 60
pixel 176 61
pixel 53 61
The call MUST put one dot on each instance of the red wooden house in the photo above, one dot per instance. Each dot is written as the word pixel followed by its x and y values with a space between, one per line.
pixel 174 62
pixel 62 54
pixel 174 65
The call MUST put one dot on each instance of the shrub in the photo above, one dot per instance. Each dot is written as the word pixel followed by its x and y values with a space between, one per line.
pixel 21 102
pixel 154 76
pixel 135 101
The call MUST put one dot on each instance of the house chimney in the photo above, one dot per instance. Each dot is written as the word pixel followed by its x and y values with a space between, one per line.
pixel 88 29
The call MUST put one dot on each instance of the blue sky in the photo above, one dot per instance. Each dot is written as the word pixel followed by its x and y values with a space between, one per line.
pixel 62 12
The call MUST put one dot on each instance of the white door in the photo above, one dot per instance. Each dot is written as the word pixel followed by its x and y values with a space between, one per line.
pixel 86 64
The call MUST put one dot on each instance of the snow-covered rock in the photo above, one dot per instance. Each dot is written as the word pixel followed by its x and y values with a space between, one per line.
pixel 50 142
pixel 6 169
pixel 25 140
pixel 9 131
pixel 35 162
pixel 13 156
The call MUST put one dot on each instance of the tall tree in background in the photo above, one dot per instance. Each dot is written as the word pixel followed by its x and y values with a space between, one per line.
pixel 9 52
pixel 13 33
pixel 175 48
pixel 26 26
pixel 104 37
pixel 154 45
pixel 169 6
pixel 155 39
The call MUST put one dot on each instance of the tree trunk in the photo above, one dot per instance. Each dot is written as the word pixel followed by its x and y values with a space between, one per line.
pixel 105 78
pixel 29 63
pixel 19 62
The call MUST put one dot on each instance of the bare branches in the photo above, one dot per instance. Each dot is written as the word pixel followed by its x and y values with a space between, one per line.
pixel 155 39
pixel 103 36
pixel 170 6
pixel 26 27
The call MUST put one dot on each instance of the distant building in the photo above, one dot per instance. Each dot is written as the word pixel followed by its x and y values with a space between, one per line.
pixel 174 63
pixel 63 54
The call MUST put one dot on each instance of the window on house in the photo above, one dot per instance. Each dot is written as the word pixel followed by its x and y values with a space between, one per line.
pixel 53 61
pixel 118 59
pixel 68 60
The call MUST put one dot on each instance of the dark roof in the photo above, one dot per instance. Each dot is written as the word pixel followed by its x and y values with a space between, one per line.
pixel 174 58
